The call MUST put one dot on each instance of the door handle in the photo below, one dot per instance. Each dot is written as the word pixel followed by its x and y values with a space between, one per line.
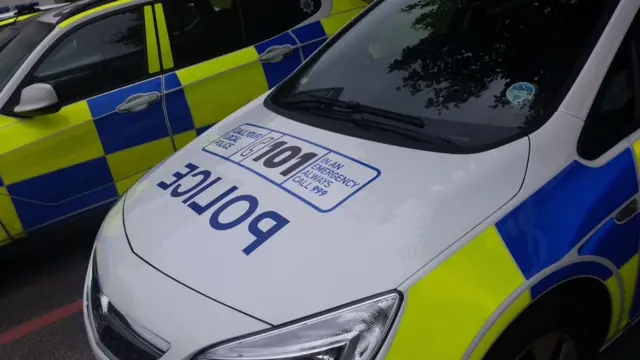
pixel 627 211
pixel 276 53
pixel 138 102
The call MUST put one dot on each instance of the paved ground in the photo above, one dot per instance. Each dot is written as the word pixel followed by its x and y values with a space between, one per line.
pixel 41 283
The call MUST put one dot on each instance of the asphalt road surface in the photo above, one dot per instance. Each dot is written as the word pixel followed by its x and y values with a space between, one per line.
pixel 41 283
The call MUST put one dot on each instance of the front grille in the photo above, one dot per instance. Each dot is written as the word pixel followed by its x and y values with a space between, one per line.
pixel 116 336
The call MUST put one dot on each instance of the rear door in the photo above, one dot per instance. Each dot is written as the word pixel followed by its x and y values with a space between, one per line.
pixel 111 127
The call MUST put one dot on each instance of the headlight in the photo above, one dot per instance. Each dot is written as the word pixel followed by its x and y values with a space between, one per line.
pixel 355 332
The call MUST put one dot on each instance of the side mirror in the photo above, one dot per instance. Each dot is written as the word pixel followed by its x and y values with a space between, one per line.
pixel 37 100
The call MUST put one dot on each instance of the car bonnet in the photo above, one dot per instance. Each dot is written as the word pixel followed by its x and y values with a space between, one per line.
pixel 321 220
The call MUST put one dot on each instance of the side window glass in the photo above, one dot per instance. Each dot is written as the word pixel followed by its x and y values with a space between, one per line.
pixel 202 29
pixel 264 19
pixel 102 56
pixel 612 115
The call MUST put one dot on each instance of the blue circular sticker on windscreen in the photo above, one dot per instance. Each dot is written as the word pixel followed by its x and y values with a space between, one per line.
pixel 520 92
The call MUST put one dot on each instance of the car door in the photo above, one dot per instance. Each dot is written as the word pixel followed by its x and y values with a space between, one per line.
pixel 609 147
pixel 109 130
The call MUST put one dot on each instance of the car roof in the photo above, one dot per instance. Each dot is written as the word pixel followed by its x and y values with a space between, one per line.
pixel 15 12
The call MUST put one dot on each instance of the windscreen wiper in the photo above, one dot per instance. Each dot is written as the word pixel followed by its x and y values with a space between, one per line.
pixel 352 108
pixel 353 112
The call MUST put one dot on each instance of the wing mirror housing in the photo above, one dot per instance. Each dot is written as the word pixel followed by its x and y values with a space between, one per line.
pixel 37 100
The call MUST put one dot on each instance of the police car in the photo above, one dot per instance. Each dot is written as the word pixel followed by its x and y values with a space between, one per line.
pixel 440 180
pixel 94 94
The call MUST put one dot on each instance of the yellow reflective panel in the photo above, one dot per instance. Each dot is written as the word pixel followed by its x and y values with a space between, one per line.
pixel 153 58
pixel 614 291
pixel 13 19
pixel 636 150
pixel 501 325
pixel 7 21
pixel 163 36
pixel 216 97
pixel 92 11
pixel 629 273
pixel 333 23
pixel 343 5
pixel 181 140
pixel 6 121
pixel 123 185
pixel 8 214
pixel 447 308
pixel 42 144
pixel 139 158
pixel 24 17
pixel 218 65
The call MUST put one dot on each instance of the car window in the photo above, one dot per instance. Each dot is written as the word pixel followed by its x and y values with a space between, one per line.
pixel 16 44
pixel 613 115
pixel 264 19
pixel 202 29
pixel 96 58
pixel 477 73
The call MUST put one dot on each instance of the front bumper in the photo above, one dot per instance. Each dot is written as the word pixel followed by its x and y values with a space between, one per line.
pixel 186 319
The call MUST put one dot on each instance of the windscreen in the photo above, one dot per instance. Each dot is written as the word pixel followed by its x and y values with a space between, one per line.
pixel 16 44
pixel 476 72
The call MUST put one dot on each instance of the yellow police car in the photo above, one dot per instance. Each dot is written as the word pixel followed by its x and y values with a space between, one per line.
pixel 95 93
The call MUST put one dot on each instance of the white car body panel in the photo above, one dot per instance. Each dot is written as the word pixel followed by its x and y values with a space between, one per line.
pixel 169 309
pixel 397 219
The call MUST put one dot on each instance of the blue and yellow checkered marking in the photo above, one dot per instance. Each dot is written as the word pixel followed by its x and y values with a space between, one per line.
pixel 552 221
pixel 125 130
pixel 90 154
pixel 580 200
pixel 456 299
pixel 77 162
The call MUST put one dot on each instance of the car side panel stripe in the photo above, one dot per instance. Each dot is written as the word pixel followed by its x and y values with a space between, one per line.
pixel 237 78
pixel 454 301
pixel 92 11
pixel 153 57
pixel 14 19
pixel 52 142
pixel 163 37
pixel 129 162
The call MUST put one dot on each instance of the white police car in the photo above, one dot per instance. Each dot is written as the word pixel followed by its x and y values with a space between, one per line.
pixel 441 180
